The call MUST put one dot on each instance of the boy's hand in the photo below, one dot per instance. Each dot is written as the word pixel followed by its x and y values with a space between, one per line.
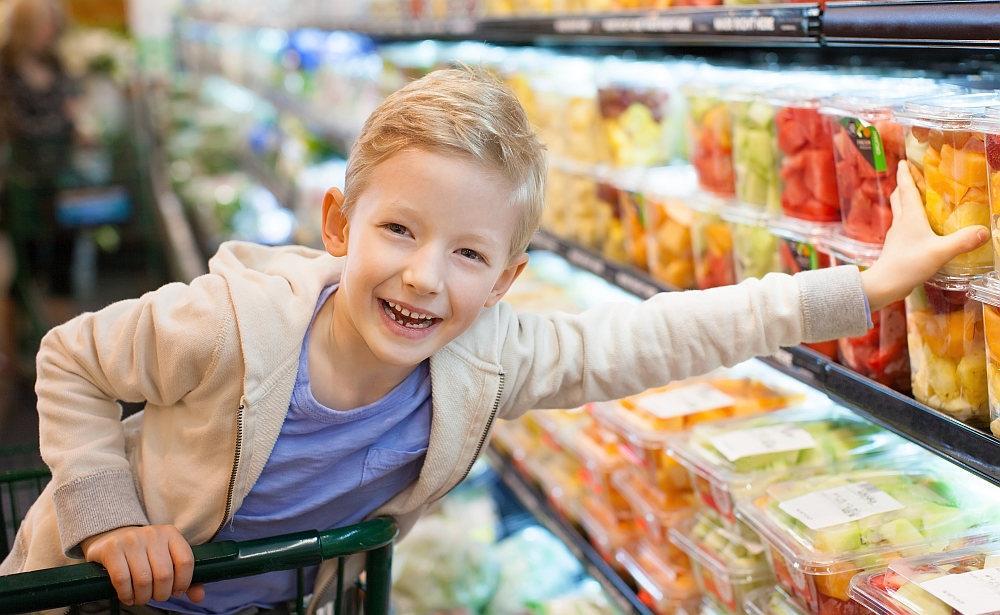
pixel 148 562
pixel 913 252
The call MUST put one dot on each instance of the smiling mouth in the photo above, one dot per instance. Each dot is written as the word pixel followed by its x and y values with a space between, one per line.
pixel 407 318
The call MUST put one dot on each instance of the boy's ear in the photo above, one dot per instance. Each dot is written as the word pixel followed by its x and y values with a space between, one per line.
pixel 334 223
pixel 507 277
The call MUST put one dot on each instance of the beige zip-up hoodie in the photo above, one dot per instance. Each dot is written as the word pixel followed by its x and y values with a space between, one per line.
pixel 215 361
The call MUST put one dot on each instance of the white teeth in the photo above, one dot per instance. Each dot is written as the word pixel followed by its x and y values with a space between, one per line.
pixel 405 311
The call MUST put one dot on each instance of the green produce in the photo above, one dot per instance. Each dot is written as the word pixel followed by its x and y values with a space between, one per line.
pixel 755 155
pixel 755 251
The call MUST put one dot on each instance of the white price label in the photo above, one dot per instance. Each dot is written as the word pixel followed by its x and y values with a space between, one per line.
pixel 736 445
pixel 969 593
pixel 830 507
pixel 685 400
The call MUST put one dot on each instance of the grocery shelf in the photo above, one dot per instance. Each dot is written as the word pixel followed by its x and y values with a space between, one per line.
pixel 536 503
pixel 967 447
pixel 929 23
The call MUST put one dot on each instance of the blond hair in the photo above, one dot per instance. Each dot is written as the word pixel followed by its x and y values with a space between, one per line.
pixel 461 111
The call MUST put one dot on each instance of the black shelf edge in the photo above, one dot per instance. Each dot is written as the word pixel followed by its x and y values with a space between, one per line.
pixel 536 503
pixel 926 23
pixel 967 447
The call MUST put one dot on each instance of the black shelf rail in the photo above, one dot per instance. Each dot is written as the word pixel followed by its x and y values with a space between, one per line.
pixel 535 501
pixel 926 23
pixel 967 447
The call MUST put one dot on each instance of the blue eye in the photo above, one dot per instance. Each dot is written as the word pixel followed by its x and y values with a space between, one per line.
pixel 396 229
pixel 471 255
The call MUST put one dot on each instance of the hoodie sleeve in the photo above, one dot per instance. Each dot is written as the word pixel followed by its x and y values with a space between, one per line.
pixel 563 361
pixel 157 348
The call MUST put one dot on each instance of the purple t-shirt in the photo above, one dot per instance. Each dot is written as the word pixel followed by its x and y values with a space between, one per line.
pixel 328 469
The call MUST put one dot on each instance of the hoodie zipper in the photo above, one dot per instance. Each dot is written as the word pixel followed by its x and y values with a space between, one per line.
pixel 236 463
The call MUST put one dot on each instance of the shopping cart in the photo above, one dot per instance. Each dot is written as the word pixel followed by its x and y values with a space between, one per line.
pixel 217 561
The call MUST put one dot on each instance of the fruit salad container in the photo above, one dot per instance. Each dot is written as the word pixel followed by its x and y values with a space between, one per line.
pixel 605 529
pixel 634 99
pixel 944 330
pixel 632 205
pixel 710 139
pixel 727 564
pixel 596 449
pixel 613 243
pixel 805 148
pixel 947 157
pixel 770 601
pixel 991 138
pixel 669 218
pixel 987 290
pixel 755 150
pixel 735 459
pixel 569 118
pixel 755 249
pixel 653 511
pixel 643 422
pixel 712 247
pixel 882 353
pixel 577 210
pixel 665 586
pixel 823 530
pixel 953 583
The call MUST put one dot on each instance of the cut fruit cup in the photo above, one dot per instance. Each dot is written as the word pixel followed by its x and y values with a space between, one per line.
pixel 755 148
pixel 726 564
pixel 653 511
pixel 605 530
pixel 882 353
pixel 668 226
pixel 770 601
pixel 631 209
pixel 575 211
pixel 755 247
pixel 987 290
pixel 634 101
pixel 665 586
pixel 736 459
pixel 823 530
pixel 900 589
pixel 946 153
pixel 566 96
pixel 596 448
pixel 711 244
pixel 710 139
pixel 944 330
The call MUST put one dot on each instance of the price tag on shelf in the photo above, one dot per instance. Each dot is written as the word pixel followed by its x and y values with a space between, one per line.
pixel 830 507
pixel 742 443
pixel 685 400
pixel 969 593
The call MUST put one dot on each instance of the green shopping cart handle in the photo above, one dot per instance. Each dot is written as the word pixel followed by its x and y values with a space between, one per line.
pixel 217 561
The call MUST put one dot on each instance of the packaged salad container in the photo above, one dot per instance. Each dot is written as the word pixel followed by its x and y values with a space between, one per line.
pixel 755 149
pixel 710 139
pixel 727 564
pixel 987 290
pixel 734 459
pixel 823 530
pixel 669 219
pixel 712 248
pixel 771 601
pixel 882 353
pixel 961 582
pixel 643 421
pixel 634 99
pixel 666 587
pixel 944 330
pixel 654 511
pixel 947 156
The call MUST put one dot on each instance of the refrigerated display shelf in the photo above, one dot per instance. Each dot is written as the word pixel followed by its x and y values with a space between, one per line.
pixel 967 447
pixel 536 503
pixel 931 23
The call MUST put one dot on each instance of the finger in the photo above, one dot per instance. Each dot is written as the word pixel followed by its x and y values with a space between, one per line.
pixel 894 204
pixel 909 196
pixel 121 579
pixel 162 569
pixel 964 240
pixel 142 576
pixel 183 561
pixel 196 593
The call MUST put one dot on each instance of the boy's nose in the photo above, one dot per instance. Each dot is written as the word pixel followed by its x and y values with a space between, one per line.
pixel 424 273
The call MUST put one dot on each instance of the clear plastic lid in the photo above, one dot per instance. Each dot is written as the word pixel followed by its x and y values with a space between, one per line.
pixel 966 581
pixel 771 601
pixel 661 579
pixel 618 73
pixel 859 519
pixel 884 95
pixel 811 89
pixel 956 111
pixel 745 452
pixel 719 546
pixel 951 282
pixel 990 124
pixel 986 289
pixel 803 231
pixel 850 251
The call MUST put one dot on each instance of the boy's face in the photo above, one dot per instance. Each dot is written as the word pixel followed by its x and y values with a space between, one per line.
pixel 428 246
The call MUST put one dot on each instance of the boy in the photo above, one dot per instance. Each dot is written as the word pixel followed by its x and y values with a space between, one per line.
pixel 294 389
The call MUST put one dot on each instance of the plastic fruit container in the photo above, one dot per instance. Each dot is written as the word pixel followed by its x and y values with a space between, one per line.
pixel 596 448
pixel 634 101
pixel 882 353
pixel 712 246
pixel 652 510
pixel 755 250
pixel 605 529
pixel 710 140
pixel 643 421
pixel 735 459
pixel 992 141
pixel 931 586
pixel 987 290
pixel 799 250
pixel 578 209
pixel 668 234
pixel 612 244
pixel 771 601
pixel 808 176
pixel 947 157
pixel 822 530
pixel 947 350
pixel 666 587
pixel 727 565
pixel 755 150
